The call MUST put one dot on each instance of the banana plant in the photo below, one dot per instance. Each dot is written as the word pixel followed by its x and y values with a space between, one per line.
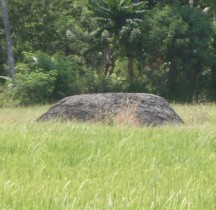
pixel 121 19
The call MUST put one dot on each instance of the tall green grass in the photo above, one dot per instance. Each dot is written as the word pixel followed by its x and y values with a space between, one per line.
pixel 65 166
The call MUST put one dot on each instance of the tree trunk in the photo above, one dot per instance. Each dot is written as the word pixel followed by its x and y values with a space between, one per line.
pixel 191 3
pixel 109 64
pixel 8 40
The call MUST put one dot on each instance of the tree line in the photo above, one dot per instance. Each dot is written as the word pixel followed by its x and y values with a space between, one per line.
pixel 67 47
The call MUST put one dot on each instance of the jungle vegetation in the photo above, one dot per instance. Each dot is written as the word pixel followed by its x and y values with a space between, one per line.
pixel 69 47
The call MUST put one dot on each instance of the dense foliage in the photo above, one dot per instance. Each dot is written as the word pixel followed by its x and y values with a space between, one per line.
pixel 70 47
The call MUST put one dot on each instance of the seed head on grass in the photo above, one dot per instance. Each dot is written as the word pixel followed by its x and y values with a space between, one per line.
pixel 198 115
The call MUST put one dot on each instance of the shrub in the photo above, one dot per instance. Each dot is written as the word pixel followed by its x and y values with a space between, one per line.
pixel 42 78
pixel 7 93
pixel 35 87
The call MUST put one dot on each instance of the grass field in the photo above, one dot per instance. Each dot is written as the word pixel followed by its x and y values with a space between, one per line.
pixel 63 166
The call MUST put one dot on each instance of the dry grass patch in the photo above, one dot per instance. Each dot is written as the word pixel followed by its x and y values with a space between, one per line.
pixel 197 114
pixel 126 117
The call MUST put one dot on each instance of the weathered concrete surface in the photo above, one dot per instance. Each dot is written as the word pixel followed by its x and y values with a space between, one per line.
pixel 148 109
